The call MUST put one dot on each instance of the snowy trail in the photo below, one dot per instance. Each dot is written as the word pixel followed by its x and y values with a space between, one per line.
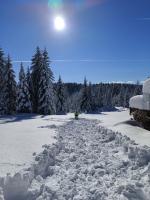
pixel 22 135
pixel 89 162
pixel 121 121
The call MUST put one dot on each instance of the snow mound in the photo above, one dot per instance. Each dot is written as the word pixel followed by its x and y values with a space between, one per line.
pixel 16 187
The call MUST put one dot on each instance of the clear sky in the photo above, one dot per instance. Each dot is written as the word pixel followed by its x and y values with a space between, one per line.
pixel 105 40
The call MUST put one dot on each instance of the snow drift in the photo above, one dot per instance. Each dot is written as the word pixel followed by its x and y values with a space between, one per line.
pixel 88 162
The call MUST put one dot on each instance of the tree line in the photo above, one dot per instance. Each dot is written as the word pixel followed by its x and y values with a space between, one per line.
pixel 93 98
pixel 36 91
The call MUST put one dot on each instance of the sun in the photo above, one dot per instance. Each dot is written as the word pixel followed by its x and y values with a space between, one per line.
pixel 59 23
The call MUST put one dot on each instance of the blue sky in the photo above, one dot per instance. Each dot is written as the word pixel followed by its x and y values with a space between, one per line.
pixel 108 40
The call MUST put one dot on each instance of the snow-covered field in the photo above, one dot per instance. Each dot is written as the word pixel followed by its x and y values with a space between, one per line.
pixel 86 161
pixel 21 136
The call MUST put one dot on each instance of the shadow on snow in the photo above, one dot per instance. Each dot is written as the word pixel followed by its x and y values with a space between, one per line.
pixel 17 118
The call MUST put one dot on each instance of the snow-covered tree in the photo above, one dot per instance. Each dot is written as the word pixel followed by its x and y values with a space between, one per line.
pixel 10 88
pixel 99 96
pixel 35 78
pixel 137 90
pixel 108 94
pixel 2 82
pixel 24 103
pixel 86 97
pixel 60 97
pixel 126 98
pixel 73 102
pixel 122 95
pixel 29 84
pixel 42 83
pixel 91 106
pixel 46 103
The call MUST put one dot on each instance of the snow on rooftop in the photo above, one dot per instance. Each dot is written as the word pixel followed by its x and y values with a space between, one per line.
pixel 142 102
pixel 146 86
pixel 137 102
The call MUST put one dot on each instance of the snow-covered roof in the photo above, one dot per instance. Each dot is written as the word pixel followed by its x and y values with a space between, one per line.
pixel 142 102
pixel 137 102
pixel 146 86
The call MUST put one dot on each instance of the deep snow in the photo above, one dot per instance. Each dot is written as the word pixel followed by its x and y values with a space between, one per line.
pixel 21 136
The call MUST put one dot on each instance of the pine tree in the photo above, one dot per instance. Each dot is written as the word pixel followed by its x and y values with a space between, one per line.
pixel 126 98
pixel 121 95
pixel 2 82
pixel 108 94
pixel 35 78
pixel 46 104
pixel 86 98
pixel 137 90
pixel 91 106
pixel 29 84
pixel 24 104
pixel 10 91
pixel 60 97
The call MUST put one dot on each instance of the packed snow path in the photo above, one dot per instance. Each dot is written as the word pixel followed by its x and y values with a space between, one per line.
pixel 121 121
pixel 89 162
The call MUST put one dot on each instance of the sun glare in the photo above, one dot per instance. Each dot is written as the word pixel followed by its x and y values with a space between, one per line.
pixel 59 23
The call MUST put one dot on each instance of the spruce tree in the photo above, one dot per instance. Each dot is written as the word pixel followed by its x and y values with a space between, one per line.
pixel 24 104
pixel 90 99
pixel 29 84
pixel 99 94
pixel 126 98
pixel 137 90
pixel 10 89
pixel 2 82
pixel 46 104
pixel 35 78
pixel 60 97
pixel 121 95
pixel 86 98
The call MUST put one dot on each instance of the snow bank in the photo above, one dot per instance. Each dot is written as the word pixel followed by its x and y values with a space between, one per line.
pixel 16 187
pixel 88 162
